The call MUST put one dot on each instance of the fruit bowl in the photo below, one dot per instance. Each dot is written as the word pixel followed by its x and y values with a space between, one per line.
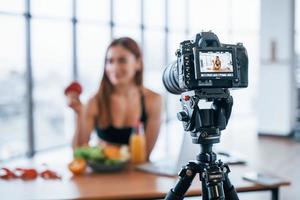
pixel 103 159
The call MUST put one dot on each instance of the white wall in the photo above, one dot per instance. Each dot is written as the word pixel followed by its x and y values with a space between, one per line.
pixel 277 88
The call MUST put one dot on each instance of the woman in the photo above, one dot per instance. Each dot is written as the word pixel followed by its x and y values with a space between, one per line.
pixel 121 100
pixel 217 63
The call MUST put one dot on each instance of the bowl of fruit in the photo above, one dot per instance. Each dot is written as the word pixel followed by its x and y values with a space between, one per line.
pixel 100 159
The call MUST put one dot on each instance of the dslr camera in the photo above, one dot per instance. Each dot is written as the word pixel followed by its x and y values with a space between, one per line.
pixel 205 63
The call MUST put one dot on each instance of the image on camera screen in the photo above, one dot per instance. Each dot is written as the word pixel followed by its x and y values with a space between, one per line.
pixel 215 62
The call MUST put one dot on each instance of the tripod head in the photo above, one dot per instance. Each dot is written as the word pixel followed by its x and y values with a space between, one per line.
pixel 205 125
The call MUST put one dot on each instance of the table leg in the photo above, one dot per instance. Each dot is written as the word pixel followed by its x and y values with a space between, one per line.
pixel 275 194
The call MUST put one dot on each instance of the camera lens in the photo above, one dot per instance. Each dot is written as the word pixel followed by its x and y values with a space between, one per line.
pixel 170 79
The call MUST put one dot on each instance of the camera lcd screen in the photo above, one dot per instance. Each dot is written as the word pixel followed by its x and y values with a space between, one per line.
pixel 216 64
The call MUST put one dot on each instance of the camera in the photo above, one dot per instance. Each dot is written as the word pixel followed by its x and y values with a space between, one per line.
pixel 206 63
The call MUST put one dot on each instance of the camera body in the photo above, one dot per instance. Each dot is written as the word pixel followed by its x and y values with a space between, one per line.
pixel 206 63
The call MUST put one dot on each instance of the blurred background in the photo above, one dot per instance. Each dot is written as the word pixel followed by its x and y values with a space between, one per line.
pixel 45 44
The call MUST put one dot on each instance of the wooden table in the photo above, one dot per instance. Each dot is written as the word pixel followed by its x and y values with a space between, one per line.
pixel 127 184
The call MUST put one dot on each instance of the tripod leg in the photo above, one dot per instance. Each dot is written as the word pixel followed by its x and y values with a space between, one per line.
pixel 229 190
pixel 204 191
pixel 186 175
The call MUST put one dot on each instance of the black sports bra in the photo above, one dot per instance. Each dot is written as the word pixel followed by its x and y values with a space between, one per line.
pixel 119 135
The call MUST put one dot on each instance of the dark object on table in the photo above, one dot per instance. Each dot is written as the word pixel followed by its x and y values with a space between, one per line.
pixel 106 167
pixel 262 179
pixel 231 158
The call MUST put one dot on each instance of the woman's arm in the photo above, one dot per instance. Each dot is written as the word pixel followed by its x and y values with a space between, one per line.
pixel 85 120
pixel 153 109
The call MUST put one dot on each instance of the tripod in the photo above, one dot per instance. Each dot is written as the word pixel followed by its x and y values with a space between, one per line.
pixel 205 127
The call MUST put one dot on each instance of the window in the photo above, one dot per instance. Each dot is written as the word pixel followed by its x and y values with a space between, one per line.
pixel 297 30
pixel 154 51
pixel 13 134
pixel 12 6
pixel 51 62
pixel 154 14
pixel 127 13
pixel 297 41
pixel 92 43
pixel 241 20
pixel 93 10
pixel 51 8
pixel 177 17
pixel 122 31
pixel 209 15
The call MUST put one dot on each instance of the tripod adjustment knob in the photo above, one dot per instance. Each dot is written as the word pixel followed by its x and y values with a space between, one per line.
pixel 186 172
pixel 183 116
pixel 182 173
